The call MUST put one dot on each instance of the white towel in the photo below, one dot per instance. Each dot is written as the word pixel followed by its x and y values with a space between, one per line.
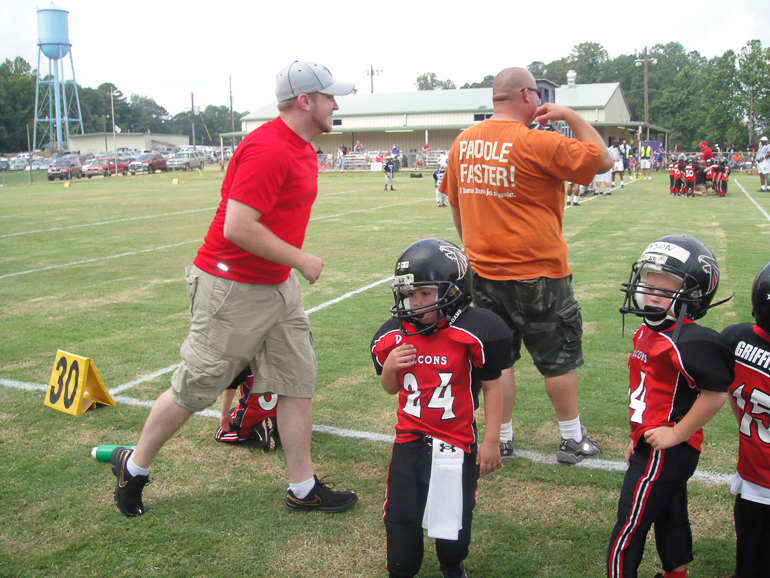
pixel 444 507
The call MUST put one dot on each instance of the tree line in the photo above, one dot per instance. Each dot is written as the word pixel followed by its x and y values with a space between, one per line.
pixel 134 114
pixel 724 99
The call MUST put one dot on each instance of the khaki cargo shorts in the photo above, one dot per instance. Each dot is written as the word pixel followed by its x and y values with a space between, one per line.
pixel 236 324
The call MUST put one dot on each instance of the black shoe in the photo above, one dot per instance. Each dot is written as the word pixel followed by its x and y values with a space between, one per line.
pixel 569 203
pixel 386 188
pixel 596 193
pixel 128 488
pixel 265 434
pixel 507 453
pixel 453 571
pixel 621 186
pixel 609 192
pixel 321 498
pixel 392 189
pixel 575 204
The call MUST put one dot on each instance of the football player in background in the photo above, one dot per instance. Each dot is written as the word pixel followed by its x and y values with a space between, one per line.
pixel 674 174
pixel 750 401
pixel 690 173
pixel 436 353
pixel 678 377
pixel 253 419
pixel 387 167
pixel 438 175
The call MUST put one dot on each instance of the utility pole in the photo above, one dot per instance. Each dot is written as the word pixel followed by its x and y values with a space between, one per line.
pixel 30 157
pixel 232 120
pixel 192 116
pixel 640 62
pixel 371 72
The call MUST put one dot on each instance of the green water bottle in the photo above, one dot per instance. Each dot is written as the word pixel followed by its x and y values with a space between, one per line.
pixel 103 453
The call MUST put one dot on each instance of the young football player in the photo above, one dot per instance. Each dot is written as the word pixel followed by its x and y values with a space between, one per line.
pixel 387 167
pixel 252 419
pixel 438 175
pixel 690 173
pixel 673 175
pixel 721 174
pixel 750 401
pixel 436 353
pixel 678 376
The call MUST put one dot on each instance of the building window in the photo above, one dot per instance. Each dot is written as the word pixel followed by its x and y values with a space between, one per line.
pixel 336 122
pixel 480 117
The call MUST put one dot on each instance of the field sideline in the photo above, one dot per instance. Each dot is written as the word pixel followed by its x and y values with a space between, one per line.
pixel 96 269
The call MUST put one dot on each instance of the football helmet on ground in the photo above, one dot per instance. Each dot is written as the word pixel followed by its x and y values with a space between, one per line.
pixel 760 298
pixel 687 260
pixel 437 264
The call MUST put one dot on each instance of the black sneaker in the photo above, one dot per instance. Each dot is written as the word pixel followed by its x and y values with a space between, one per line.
pixel 265 434
pixel 321 498
pixel 572 452
pixel 575 204
pixel 506 451
pixel 128 488
pixel 609 192
pixel 453 571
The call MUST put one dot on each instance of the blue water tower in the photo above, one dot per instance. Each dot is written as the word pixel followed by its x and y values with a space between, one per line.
pixel 57 105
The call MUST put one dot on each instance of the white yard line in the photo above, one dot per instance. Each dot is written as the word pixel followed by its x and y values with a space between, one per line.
pixel 703 476
pixel 745 192
pixel 108 222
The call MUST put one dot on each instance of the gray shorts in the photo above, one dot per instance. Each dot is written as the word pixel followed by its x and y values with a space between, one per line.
pixel 543 313
pixel 236 324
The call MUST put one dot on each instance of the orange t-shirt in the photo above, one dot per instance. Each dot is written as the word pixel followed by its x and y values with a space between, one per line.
pixel 508 182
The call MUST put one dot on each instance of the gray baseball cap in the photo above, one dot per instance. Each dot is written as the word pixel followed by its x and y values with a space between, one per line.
pixel 308 77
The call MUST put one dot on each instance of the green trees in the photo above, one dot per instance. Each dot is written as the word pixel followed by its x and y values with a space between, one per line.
pixel 429 81
pixel 135 114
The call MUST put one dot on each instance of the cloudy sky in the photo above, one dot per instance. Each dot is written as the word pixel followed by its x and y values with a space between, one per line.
pixel 168 50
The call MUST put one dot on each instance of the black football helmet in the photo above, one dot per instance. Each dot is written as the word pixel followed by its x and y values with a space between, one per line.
pixel 431 263
pixel 684 258
pixel 760 298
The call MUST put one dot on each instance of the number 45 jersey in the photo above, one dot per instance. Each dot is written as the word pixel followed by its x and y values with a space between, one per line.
pixel 439 393
pixel 665 378
pixel 751 390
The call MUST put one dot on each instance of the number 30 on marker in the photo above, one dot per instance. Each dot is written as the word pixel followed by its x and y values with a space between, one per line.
pixel 75 385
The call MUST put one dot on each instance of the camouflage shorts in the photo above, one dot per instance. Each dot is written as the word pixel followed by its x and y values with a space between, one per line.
pixel 543 313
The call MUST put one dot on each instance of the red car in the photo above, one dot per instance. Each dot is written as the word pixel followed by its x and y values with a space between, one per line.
pixel 65 169
pixel 106 167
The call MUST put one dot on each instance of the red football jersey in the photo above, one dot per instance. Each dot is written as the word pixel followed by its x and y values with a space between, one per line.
pixel 689 173
pixel 751 390
pixel 439 393
pixel 673 169
pixel 665 378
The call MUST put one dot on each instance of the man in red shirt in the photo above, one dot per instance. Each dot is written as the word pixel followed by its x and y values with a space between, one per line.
pixel 246 300
pixel 705 151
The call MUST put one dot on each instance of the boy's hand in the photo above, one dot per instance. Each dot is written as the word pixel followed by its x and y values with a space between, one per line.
pixel 224 422
pixel 488 457
pixel 401 357
pixel 661 438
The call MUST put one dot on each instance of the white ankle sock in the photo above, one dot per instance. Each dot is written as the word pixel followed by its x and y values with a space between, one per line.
pixel 506 432
pixel 135 470
pixel 303 489
pixel 571 429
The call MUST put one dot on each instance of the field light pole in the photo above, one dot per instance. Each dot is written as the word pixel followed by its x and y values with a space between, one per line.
pixel 371 72
pixel 644 60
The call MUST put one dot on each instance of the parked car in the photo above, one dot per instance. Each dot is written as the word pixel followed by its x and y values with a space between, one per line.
pixel 65 169
pixel 148 162
pixel 4 164
pixel 19 164
pixel 106 167
pixel 186 161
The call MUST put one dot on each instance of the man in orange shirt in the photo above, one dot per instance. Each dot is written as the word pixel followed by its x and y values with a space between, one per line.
pixel 505 185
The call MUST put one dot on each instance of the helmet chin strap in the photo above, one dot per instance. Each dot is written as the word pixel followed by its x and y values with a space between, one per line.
pixel 679 320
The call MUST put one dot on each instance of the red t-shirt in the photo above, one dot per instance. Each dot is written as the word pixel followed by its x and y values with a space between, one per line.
pixel 275 172
pixel 707 154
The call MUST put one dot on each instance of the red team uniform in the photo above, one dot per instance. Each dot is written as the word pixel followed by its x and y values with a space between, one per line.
pixel 690 171
pixel 750 398
pixel 673 361
pixel 437 399
pixel 248 418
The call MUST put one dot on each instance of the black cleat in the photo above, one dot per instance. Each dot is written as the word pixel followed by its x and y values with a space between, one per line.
pixel 321 498
pixel 453 571
pixel 128 488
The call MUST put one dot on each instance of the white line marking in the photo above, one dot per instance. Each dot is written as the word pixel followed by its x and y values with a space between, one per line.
pixel 704 476
pixel 148 377
pixel 745 192
pixel 366 210
pixel 346 295
pixel 100 258
pixel 108 222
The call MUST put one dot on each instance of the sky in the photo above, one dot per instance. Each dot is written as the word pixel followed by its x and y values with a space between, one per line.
pixel 170 50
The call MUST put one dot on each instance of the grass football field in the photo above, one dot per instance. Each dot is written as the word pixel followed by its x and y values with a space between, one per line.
pixel 96 269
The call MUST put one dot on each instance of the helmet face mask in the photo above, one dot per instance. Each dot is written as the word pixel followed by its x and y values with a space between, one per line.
pixel 760 299
pixel 690 263
pixel 432 264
